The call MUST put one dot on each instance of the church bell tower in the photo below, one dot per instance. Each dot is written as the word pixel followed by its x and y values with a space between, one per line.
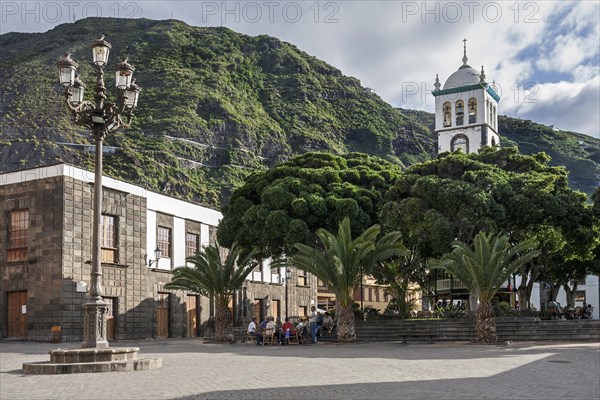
pixel 466 110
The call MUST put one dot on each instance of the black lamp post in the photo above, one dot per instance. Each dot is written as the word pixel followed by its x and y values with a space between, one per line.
pixel 288 276
pixel 102 117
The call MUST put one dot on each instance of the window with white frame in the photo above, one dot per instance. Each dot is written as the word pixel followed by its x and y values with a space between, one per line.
pixel 192 244
pixel 163 240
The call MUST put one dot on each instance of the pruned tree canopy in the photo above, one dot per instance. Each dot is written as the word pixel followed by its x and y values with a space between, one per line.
pixel 285 205
pixel 455 196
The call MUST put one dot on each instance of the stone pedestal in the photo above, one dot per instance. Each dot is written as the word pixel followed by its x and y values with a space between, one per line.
pixel 86 360
pixel 94 324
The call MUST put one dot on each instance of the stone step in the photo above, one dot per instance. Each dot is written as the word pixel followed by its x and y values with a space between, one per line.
pixel 50 368
pixel 466 329
pixel 449 330
pixel 110 359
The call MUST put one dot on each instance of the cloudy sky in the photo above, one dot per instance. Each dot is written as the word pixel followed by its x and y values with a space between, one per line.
pixel 543 55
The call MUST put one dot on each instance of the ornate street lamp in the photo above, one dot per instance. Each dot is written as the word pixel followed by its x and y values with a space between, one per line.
pixel 288 276
pixel 157 255
pixel 102 117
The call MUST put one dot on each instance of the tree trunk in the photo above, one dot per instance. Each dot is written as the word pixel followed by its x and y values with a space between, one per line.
pixel 554 289
pixel 570 293
pixel 529 290
pixel 528 277
pixel 400 296
pixel 223 324
pixel 472 306
pixel 523 302
pixel 486 327
pixel 345 324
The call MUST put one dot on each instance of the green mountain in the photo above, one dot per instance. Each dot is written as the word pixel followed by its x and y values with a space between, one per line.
pixel 217 105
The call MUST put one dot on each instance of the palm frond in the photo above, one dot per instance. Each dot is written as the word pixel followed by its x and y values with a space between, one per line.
pixel 485 267
pixel 210 275
pixel 340 259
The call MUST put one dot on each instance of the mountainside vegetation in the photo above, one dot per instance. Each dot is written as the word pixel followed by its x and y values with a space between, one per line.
pixel 217 105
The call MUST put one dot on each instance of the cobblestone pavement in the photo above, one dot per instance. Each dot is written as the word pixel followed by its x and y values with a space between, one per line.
pixel 193 370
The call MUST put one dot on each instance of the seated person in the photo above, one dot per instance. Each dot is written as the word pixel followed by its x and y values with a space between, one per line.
pixel 589 310
pixel 288 326
pixel 254 333
pixel 263 324
pixel 288 329
pixel 271 331
pixel 303 329
pixel 279 330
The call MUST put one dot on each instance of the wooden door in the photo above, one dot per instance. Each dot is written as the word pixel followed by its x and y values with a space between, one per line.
pixel 258 310
pixel 111 321
pixel 162 316
pixel 17 315
pixel 276 308
pixel 192 315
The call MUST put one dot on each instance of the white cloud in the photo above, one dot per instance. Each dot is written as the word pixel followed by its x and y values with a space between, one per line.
pixel 584 73
pixel 569 51
pixel 571 106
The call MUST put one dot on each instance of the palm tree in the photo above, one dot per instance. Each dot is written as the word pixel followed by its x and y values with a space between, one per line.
pixel 398 275
pixel 209 275
pixel 483 270
pixel 339 261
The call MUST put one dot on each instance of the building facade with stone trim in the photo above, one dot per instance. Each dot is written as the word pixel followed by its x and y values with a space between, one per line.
pixel 45 260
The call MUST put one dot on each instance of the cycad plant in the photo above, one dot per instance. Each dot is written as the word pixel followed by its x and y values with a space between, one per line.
pixel 209 275
pixel 340 260
pixel 483 269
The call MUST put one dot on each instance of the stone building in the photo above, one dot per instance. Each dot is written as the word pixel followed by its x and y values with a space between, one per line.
pixel 45 260
pixel 368 294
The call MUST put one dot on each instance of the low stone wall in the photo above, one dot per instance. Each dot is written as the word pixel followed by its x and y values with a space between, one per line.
pixel 464 329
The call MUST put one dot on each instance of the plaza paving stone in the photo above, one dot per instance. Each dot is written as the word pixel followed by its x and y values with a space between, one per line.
pixel 193 370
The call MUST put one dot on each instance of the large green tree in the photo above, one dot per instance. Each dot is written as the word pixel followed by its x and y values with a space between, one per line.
pixel 285 205
pixel 455 196
pixel 340 260
pixel 217 277
pixel 483 267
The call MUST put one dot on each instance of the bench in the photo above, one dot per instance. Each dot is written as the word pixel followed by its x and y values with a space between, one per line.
pixel 429 336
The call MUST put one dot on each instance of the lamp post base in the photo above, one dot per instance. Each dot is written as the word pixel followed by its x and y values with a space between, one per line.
pixel 75 361
pixel 94 324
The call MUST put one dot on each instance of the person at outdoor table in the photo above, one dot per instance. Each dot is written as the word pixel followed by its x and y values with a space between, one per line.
pixel 312 319
pixel 302 329
pixel 589 310
pixel 279 329
pixel 270 329
pixel 288 326
pixel 263 324
pixel 254 333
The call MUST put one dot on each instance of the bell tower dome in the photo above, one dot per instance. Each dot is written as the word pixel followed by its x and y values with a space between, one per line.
pixel 466 110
